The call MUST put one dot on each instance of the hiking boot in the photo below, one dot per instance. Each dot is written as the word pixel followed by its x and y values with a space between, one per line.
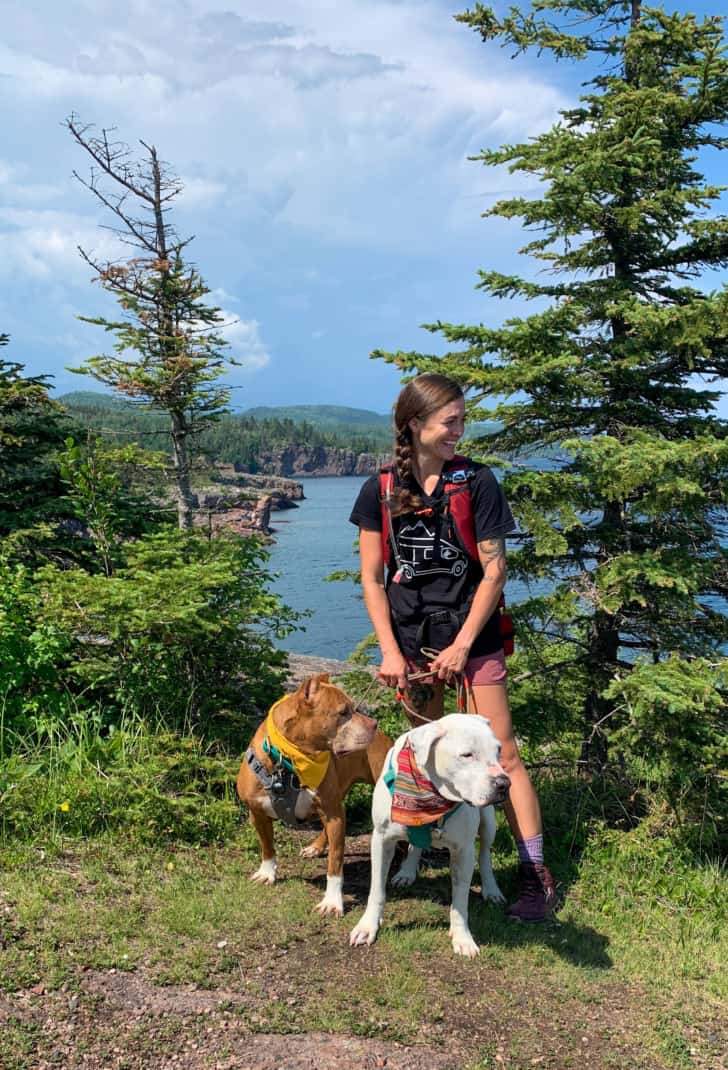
pixel 537 897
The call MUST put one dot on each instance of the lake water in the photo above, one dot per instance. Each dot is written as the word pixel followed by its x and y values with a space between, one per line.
pixel 317 539
pixel 311 542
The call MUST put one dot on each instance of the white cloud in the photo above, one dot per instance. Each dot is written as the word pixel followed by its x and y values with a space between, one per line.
pixel 246 344
pixel 44 244
pixel 198 191
pixel 320 144
pixel 351 120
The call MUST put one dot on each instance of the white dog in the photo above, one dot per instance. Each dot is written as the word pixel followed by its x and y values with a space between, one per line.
pixel 449 765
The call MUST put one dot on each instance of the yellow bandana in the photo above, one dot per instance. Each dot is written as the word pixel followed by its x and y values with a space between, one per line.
pixel 309 768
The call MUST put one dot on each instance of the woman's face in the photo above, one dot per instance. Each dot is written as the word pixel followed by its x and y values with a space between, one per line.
pixel 437 435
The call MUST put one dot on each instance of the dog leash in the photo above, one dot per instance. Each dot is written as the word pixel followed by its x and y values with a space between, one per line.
pixel 460 685
pixel 423 674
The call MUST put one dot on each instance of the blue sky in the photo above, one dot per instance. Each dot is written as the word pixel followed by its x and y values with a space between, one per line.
pixel 323 147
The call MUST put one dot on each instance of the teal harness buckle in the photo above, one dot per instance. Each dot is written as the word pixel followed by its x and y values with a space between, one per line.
pixel 275 755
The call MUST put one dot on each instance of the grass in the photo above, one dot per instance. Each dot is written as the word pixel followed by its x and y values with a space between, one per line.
pixel 635 969
pixel 122 859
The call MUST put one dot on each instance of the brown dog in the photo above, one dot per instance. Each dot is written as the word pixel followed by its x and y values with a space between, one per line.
pixel 317 732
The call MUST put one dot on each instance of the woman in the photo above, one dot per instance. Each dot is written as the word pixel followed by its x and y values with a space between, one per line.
pixel 437 596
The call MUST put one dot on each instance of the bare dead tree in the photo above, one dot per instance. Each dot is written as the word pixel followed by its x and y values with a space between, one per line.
pixel 169 352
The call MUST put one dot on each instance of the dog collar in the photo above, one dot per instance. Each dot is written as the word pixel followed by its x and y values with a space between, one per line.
pixel 309 768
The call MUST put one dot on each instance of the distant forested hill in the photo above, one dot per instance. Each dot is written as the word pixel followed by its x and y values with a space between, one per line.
pixel 322 415
pixel 237 437
pixel 244 438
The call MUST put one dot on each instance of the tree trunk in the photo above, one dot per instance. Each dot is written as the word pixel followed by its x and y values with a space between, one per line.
pixel 603 651
pixel 185 501
pixel 603 654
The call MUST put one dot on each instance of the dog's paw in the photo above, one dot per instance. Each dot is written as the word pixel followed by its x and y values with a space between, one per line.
pixel 266 873
pixel 463 944
pixel 491 893
pixel 363 934
pixel 328 907
pixel 314 850
pixel 332 902
pixel 405 875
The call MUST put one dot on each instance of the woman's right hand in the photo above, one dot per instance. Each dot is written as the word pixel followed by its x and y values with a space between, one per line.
pixel 393 670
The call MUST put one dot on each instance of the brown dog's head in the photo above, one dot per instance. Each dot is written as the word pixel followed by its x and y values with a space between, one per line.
pixel 322 717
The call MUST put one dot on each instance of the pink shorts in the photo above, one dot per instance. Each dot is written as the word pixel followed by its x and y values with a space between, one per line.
pixel 480 671
pixel 488 669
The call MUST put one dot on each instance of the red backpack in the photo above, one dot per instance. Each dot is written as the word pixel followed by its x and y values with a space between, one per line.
pixel 458 472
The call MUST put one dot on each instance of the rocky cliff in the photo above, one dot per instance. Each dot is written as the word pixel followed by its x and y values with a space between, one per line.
pixel 299 460
pixel 243 501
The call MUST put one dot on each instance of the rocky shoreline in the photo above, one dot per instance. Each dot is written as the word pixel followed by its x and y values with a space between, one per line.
pixel 241 501
pixel 301 666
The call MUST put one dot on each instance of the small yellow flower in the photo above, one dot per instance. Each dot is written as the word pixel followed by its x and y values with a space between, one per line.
pixel 170 866
pixel 65 807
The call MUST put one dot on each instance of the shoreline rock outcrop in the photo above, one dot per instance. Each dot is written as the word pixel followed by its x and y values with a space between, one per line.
pixel 243 502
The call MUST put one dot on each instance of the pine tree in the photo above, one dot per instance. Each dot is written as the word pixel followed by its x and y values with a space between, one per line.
pixel 32 429
pixel 614 379
pixel 170 352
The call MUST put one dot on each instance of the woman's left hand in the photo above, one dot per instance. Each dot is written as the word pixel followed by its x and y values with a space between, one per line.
pixel 451 661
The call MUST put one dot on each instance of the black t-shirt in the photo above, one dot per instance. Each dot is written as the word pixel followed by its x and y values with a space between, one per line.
pixel 437 572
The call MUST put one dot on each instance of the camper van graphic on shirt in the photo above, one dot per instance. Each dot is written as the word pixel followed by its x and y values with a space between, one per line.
pixel 416 543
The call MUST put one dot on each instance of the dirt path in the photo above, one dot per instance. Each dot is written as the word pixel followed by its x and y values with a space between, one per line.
pixel 123 1021
pixel 120 1020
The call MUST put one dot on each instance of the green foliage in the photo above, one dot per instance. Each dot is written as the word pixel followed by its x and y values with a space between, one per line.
pixel 132 655
pixel 181 629
pixel 84 778
pixel 675 737
pixel 32 428
pixel 31 648
pixel 104 492
pixel 174 334
pixel 169 351
pixel 614 381
pixel 324 416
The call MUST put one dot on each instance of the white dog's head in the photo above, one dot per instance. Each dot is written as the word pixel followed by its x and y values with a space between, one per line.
pixel 460 755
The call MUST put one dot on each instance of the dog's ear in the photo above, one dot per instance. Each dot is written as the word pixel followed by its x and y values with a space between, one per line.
pixel 423 739
pixel 309 688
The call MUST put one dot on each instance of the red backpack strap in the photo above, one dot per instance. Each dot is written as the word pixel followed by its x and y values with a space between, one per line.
pixel 386 486
pixel 505 624
pixel 458 473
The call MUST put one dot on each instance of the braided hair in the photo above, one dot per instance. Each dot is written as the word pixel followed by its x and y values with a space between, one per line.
pixel 418 400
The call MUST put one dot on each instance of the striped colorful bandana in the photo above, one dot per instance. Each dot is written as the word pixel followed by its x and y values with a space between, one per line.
pixel 415 800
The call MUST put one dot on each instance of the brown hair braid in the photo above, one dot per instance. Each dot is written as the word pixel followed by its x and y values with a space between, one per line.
pixel 418 400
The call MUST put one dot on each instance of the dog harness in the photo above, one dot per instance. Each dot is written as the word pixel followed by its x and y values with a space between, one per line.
pixel 416 802
pixel 282 785
pixel 456 502
pixel 292 772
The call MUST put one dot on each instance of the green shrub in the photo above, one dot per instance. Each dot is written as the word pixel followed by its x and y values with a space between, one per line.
pixel 87 780
pixel 674 740
pixel 31 648
pixel 183 630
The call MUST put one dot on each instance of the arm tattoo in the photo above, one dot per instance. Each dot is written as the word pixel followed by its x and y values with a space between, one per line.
pixel 491 550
